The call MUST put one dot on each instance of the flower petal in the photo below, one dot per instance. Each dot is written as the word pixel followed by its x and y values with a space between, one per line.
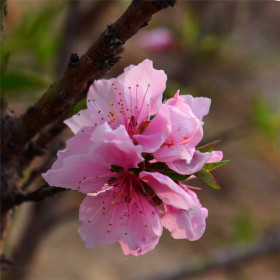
pixel 151 85
pixel 156 133
pixel 127 251
pixel 199 105
pixel 104 102
pixel 78 121
pixel 143 228
pixel 196 164
pixel 102 223
pixel 114 147
pixel 79 172
pixel 189 224
pixel 77 145
pixel 105 133
pixel 172 153
pixel 167 190
pixel 216 156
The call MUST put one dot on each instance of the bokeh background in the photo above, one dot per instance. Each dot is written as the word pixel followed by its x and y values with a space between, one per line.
pixel 226 50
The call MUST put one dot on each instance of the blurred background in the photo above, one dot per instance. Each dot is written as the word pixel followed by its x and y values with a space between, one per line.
pixel 228 51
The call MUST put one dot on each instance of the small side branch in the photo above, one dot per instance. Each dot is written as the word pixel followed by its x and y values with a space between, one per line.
pixel 41 193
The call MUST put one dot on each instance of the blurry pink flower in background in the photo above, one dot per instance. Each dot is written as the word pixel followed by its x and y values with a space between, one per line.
pixel 157 39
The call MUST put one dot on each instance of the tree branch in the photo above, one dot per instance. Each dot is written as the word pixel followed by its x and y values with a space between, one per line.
pixel 41 193
pixel 99 58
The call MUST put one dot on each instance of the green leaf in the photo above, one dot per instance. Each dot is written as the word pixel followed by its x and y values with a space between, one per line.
pixel 209 147
pixel 205 176
pixel 213 165
pixel 176 177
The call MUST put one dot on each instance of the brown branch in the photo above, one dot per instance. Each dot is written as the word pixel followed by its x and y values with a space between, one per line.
pixel 224 259
pixel 3 15
pixel 9 202
pixel 38 146
pixel 100 57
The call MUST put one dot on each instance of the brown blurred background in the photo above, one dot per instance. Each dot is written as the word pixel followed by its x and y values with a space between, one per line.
pixel 228 51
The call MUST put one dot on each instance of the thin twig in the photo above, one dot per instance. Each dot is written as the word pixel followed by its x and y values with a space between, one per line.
pixel 33 196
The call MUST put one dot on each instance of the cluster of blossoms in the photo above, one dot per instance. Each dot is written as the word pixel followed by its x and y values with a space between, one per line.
pixel 127 147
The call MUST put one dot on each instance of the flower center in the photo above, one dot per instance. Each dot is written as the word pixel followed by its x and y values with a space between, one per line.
pixel 130 108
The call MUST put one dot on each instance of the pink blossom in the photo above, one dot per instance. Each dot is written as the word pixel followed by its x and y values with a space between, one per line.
pixel 129 100
pixel 124 131
pixel 157 39
pixel 181 118
pixel 132 99
pixel 124 203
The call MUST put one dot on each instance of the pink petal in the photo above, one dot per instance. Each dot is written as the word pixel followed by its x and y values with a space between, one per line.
pixel 156 133
pixel 79 172
pixel 114 147
pixel 199 105
pixel 216 156
pixel 182 167
pixel 183 124
pixel 76 145
pixel 167 190
pixel 189 224
pixel 143 228
pixel 102 101
pixel 186 133
pixel 78 121
pixel 171 153
pixel 127 251
pixel 147 96
pixel 105 133
pixel 102 220
pixel 137 92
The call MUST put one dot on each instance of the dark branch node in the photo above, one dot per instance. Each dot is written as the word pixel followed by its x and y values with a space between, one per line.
pixel 108 63
pixel 111 38
pixel 74 60
pixel 31 111
pixel 162 4
pixel 146 23
pixel 63 94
